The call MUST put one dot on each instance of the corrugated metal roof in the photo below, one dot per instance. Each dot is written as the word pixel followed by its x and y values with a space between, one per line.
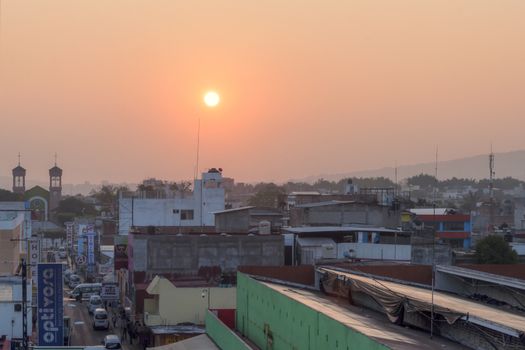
pixel 323 229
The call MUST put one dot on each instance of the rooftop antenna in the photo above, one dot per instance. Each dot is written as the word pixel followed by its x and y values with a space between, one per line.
pixel 18 153
pixel 395 177
pixel 434 245
pixel 492 174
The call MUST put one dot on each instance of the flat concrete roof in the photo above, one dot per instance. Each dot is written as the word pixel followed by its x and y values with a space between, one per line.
pixel 369 323
pixel 481 314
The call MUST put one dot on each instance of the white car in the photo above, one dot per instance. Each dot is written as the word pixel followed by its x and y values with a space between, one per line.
pixel 112 342
pixel 95 302
pixel 101 320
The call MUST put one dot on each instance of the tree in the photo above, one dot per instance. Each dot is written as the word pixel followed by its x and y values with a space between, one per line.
pixel 72 207
pixel 422 180
pixel 268 195
pixel 470 201
pixel 8 196
pixel 495 250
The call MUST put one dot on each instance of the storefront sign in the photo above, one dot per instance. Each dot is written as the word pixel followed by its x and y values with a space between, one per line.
pixel 50 305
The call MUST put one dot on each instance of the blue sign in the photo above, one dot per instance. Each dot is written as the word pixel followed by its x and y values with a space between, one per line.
pixel 80 249
pixel 91 249
pixel 50 305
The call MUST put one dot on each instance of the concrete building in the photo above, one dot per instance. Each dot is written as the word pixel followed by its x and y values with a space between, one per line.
pixel 280 315
pixel 339 213
pixel 195 210
pixel 450 226
pixel 249 220
pixel 308 245
pixel 171 305
pixel 213 259
pixel 11 308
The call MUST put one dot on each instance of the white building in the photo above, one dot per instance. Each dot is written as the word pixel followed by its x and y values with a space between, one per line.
pixel 194 210
pixel 11 308
pixel 15 229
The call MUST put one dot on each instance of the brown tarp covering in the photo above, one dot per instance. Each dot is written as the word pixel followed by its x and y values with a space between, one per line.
pixel 393 303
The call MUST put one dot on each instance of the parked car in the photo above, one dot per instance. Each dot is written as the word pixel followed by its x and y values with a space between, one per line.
pixel 112 342
pixel 101 320
pixel 95 302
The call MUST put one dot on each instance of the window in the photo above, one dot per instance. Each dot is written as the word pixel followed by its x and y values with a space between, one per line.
pixel 186 214
pixel 453 226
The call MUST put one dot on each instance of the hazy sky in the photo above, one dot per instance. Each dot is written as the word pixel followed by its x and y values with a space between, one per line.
pixel 307 87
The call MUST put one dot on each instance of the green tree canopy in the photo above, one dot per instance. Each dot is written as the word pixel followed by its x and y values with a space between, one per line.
pixel 8 196
pixel 495 250
pixel 422 180
pixel 268 195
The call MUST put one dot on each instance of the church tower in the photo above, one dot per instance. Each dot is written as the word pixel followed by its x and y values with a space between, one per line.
pixel 19 178
pixel 55 186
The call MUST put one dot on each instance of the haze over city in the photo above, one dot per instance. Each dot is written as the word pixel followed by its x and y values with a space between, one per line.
pixel 116 87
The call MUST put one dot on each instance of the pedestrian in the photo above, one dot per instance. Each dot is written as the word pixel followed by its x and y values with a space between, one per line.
pixel 130 333
pixel 123 332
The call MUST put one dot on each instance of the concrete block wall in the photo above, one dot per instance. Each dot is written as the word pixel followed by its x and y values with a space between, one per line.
pixel 185 255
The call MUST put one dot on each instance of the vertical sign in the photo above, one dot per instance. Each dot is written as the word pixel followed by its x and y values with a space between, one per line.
pixel 50 305
pixel 80 237
pixel 69 234
pixel 34 257
pixel 91 249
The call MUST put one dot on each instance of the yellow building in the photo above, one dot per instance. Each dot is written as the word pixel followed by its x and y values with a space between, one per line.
pixel 171 305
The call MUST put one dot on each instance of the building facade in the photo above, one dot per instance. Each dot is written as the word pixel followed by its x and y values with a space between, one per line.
pixel 194 210
pixel 450 226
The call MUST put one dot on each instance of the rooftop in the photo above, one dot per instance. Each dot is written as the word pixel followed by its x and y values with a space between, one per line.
pixel 323 204
pixel 432 211
pixel 321 229
pixel 369 323
pixel 481 314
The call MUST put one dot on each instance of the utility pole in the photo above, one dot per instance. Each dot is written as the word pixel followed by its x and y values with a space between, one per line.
pixel 434 247
pixel 24 304
pixel 492 174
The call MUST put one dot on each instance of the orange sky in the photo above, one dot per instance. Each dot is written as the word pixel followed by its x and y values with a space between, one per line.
pixel 307 87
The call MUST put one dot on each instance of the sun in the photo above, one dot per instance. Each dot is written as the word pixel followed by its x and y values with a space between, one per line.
pixel 212 99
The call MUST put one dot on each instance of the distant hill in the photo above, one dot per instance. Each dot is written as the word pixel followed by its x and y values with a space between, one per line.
pixel 476 167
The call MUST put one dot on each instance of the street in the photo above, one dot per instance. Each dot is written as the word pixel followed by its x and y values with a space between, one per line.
pixel 82 329
pixel 83 333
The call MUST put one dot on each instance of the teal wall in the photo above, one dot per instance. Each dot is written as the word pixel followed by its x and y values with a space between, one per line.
pixel 292 325
pixel 221 335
